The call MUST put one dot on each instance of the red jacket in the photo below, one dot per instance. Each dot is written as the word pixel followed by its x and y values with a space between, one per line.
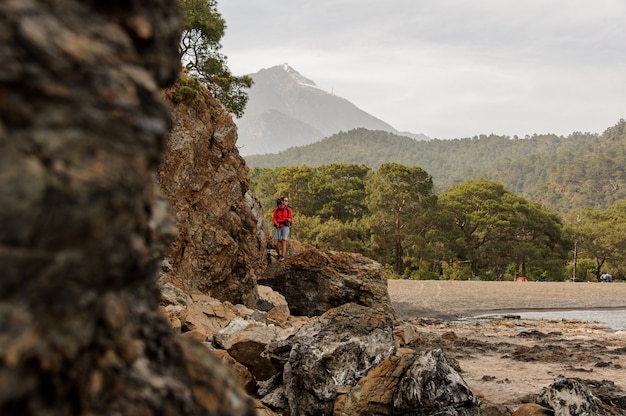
pixel 282 214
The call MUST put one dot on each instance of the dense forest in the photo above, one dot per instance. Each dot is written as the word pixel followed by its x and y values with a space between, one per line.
pixel 562 173
pixel 543 207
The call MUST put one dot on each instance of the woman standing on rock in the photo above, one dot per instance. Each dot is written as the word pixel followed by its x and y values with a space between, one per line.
pixel 283 218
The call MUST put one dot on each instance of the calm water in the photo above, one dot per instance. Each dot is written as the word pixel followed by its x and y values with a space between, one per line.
pixel 611 318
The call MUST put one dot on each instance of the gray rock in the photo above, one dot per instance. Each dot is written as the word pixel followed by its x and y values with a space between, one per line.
pixel 331 353
pixel 573 397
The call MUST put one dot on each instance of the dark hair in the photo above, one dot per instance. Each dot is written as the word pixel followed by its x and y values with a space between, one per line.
pixel 279 201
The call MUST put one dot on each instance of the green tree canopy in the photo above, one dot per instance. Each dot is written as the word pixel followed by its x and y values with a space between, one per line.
pixel 203 28
pixel 601 233
pixel 494 227
pixel 340 191
pixel 399 198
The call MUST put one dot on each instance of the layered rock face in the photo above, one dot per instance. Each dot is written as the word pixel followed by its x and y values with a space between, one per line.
pixel 220 247
pixel 82 229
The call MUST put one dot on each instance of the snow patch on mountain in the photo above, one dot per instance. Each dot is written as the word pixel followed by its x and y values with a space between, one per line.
pixel 299 78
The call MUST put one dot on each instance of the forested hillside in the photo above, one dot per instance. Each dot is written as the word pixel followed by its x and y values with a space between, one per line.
pixel 562 173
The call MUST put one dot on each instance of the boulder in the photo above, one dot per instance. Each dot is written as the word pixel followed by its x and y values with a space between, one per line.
pixel 410 383
pixel 405 334
pixel 574 397
pixel 245 341
pixel 314 281
pixel 327 355
pixel 270 299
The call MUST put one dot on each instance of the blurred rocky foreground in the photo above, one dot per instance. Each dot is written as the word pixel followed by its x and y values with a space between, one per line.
pixel 115 300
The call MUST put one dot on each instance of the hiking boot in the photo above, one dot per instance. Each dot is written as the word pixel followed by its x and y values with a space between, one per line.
pixel 281 258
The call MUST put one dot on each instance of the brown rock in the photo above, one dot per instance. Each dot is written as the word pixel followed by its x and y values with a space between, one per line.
pixel 410 384
pixel 313 281
pixel 405 334
pixel 246 342
pixel 241 372
pixel 221 241
pixel 270 299
pixel 532 409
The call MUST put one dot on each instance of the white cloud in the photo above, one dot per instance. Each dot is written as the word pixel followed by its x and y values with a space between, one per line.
pixel 447 68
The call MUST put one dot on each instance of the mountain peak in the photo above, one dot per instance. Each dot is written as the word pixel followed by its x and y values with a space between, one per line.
pixel 286 109
pixel 286 69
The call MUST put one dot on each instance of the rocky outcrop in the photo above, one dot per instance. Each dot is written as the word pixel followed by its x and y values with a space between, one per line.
pixel 407 382
pixel 82 228
pixel 330 353
pixel 314 281
pixel 351 360
pixel 220 247
pixel 575 397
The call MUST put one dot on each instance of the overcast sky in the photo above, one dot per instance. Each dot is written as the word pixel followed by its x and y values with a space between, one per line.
pixel 447 68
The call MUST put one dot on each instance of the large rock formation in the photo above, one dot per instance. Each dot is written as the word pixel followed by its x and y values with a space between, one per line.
pixel 82 231
pixel 315 281
pixel 220 248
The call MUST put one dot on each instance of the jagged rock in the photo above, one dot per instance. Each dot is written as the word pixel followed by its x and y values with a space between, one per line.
pixel 569 397
pixel 206 315
pixel 609 394
pixel 327 355
pixel 246 341
pixel 220 248
pixel 410 383
pixel 405 334
pixel 173 298
pixel 270 299
pixel 82 226
pixel 573 397
pixel 313 281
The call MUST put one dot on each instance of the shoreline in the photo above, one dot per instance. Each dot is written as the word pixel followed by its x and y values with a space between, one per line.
pixel 450 299
pixel 432 313
pixel 507 361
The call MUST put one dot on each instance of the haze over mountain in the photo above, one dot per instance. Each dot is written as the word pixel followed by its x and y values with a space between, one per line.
pixel 286 109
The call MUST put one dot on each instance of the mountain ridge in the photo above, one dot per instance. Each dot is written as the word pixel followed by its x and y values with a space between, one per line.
pixel 287 109
pixel 582 169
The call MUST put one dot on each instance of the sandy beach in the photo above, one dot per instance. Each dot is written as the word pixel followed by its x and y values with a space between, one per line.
pixel 506 360
pixel 448 298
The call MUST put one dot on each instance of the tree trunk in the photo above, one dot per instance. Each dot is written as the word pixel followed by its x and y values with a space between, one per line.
pixel 575 260
pixel 398 264
pixel 599 264
pixel 501 272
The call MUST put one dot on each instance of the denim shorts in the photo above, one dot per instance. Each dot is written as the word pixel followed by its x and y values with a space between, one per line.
pixel 281 233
